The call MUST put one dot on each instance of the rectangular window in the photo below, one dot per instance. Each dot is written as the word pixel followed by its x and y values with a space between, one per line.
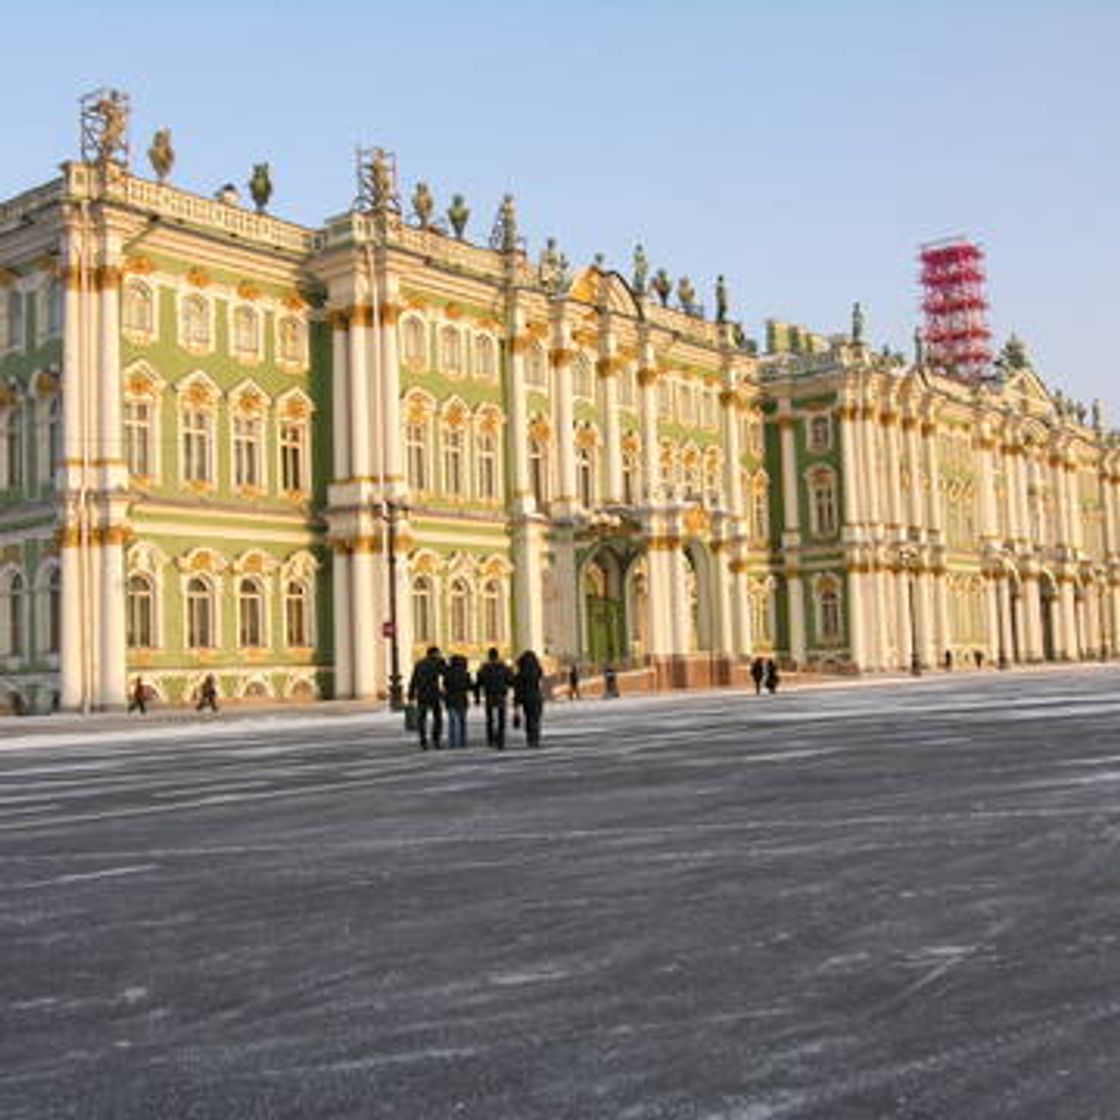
pixel 196 446
pixel 247 451
pixel 453 460
pixel 293 457
pixel 138 437
pixel 487 467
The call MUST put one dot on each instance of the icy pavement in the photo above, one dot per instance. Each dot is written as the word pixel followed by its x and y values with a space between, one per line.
pixel 899 901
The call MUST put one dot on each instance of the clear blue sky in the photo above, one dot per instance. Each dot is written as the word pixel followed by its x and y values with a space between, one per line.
pixel 805 149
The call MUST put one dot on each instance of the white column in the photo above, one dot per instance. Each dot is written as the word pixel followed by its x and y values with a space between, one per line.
pixel 989 526
pixel 1032 618
pixel 390 431
pixel 72 636
pixel 893 474
pixel 517 445
pixel 565 432
pixel 792 518
pixel 363 619
pixel 343 606
pixel 528 599
pixel 936 515
pixel 902 592
pixel 795 593
pixel 651 445
pixel 913 455
pixel 871 466
pixel 723 630
pixel 340 400
pixel 361 461
pixel 1069 620
pixel 994 603
pixel 608 385
pixel 850 465
pixel 856 627
pixel 1076 526
pixel 113 679
pixel 1005 608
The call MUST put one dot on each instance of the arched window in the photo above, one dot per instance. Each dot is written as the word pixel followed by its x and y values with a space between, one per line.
pixel 246 332
pixel 459 612
pixel 761 617
pixel 140 622
pixel 415 350
pixel 538 471
pixel 451 351
pixel 629 478
pixel 52 308
pixel 487 462
pixel 822 502
pixel 493 629
pixel 820 433
pixel 485 357
pixel 13 337
pixel 536 368
pixel 200 614
pixel 423 611
pixel 583 380
pixel 585 474
pixel 292 338
pixel 250 614
pixel 138 310
pixel 297 614
pixel 828 608
pixel 13 446
pixel 54 439
pixel 50 612
pixel 416 453
pixel 627 388
pixel 139 436
pixel 11 614
pixel 195 330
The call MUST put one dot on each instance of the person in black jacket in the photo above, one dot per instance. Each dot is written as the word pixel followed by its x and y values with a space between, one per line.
pixel 758 671
pixel 426 689
pixel 457 685
pixel 528 696
pixel 772 677
pixel 493 682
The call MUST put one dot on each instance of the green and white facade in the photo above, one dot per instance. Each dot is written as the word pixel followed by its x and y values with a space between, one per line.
pixel 212 420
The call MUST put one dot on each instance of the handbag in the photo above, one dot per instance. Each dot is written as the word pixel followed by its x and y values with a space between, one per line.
pixel 411 717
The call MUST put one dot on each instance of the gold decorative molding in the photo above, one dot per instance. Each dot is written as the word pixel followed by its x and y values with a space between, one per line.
pixel 647 375
pixel 248 291
pixel 360 315
pixel 453 311
pixel 198 278
pixel 390 314
pixel 139 265
pixel 293 301
pixel 338 320
pixel 608 367
pixel 560 356
pixel 106 277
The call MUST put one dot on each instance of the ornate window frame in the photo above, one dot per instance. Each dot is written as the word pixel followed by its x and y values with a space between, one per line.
pixel 293 417
pixel 824 506
pixel 249 410
pixel 290 341
pixel 139 295
pixel 246 333
pixel 196 322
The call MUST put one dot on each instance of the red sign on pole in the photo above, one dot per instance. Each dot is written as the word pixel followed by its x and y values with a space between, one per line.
pixel 388 630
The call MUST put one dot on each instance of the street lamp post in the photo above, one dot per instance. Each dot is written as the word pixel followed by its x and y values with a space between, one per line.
pixel 396 691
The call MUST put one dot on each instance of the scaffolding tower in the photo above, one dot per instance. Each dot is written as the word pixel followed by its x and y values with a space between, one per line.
pixel 956 330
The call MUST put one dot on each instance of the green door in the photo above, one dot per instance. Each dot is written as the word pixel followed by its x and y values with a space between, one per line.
pixel 606 632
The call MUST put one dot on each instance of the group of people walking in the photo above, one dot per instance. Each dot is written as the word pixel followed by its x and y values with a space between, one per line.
pixel 764 674
pixel 437 684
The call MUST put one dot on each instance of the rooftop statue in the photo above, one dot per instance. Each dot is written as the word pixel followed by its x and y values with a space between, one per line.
pixel 161 155
pixel 505 229
pixel 686 293
pixel 113 115
pixel 260 186
pixel 919 347
pixel 721 300
pixel 458 214
pixel 641 271
pixel 662 286
pixel 553 268
pixel 857 323
pixel 423 204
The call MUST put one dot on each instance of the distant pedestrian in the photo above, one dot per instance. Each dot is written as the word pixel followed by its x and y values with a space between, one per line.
pixel 771 677
pixel 139 698
pixel 758 671
pixel 573 682
pixel 948 661
pixel 208 694
pixel 426 689
pixel 528 696
pixel 978 656
pixel 492 682
pixel 457 686
pixel 610 683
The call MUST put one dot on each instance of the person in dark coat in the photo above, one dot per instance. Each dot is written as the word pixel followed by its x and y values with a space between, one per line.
pixel 493 682
pixel 208 694
pixel 457 686
pixel 139 697
pixel 771 677
pixel 573 682
pixel 425 688
pixel 528 696
pixel 758 671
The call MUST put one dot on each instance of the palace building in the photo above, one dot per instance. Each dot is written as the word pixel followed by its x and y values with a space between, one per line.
pixel 231 444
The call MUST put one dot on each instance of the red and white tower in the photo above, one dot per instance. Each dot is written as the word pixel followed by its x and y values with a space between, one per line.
pixel 956 330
